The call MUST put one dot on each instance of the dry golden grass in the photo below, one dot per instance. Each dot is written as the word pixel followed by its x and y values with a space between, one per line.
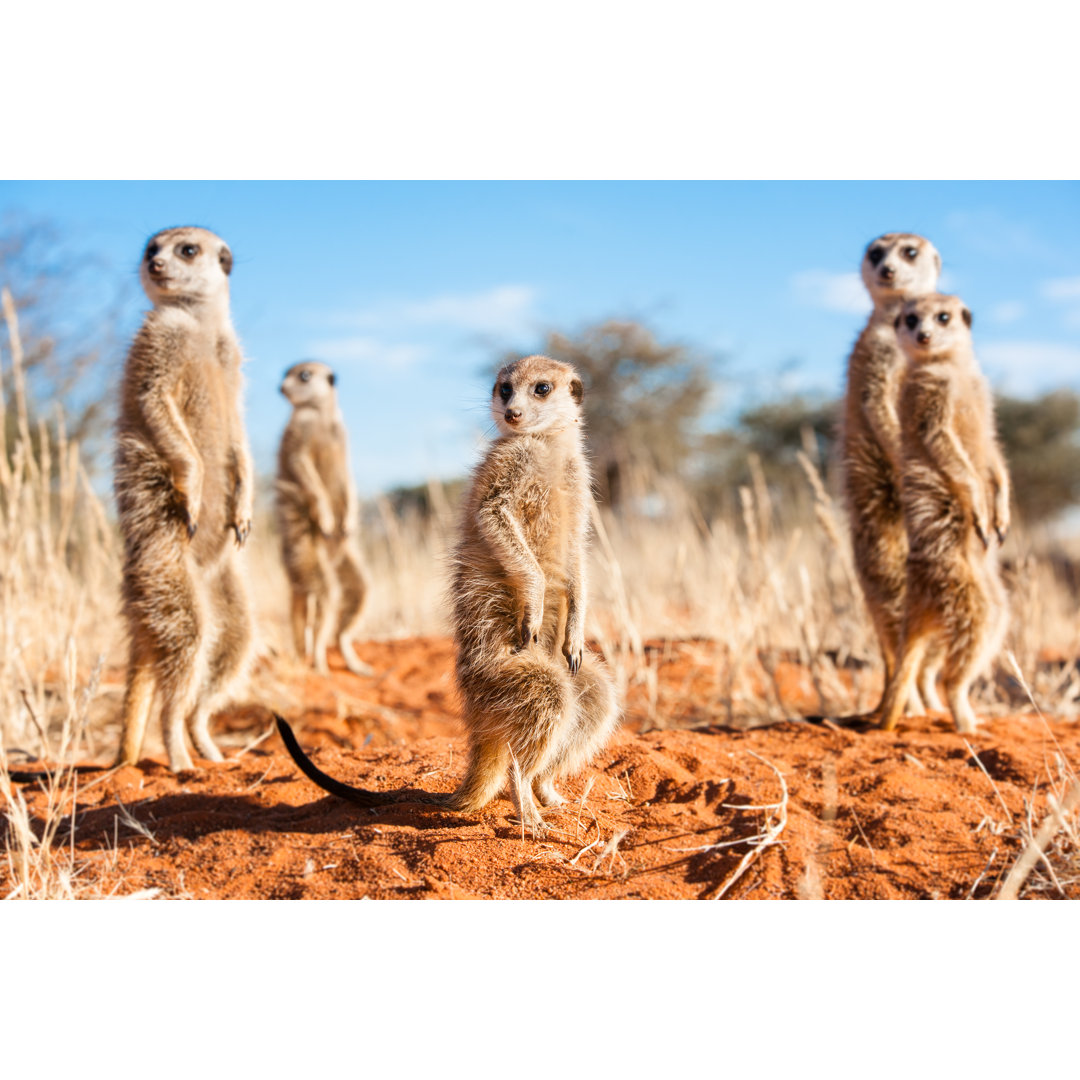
pixel 741 592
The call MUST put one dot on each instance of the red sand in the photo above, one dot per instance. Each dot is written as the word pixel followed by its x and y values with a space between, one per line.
pixel 868 814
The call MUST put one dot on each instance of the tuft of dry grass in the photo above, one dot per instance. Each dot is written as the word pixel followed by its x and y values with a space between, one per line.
pixel 743 593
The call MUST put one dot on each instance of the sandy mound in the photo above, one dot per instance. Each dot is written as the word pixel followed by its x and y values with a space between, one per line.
pixel 664 813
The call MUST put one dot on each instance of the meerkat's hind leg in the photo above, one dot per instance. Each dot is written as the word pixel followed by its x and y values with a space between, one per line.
pixel 927 680
pixel 545 792
pixel 138 701
pixel 957 692
pixel 228 658
pixel 299 620
pixel 486 775
pixel 596 715
pixel 350 575
pixel 899 689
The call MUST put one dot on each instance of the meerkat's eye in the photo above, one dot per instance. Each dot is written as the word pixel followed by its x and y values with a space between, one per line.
pixel 943 317
pixel 911 252
pixel 911 321
pixel 305 376
pixel 875 255
pixel 188 251
pixel 543 389
pixel 152 250
pixel 505 391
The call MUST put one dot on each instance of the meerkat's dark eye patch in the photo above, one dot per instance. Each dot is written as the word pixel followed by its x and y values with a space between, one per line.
pixel 943 317
pixel 542 389
pixel 152 249
pixel 305 376
pixel 187 251
pixel 875 255
pixel 911 321
pixel 506 391
pixel 911 252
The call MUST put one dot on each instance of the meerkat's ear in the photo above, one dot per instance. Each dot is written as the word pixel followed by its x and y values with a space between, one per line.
pixel 937 261
pixel 577 391
pixel 966 316
pixel 333 379
pixel 225 258
pixel 897 322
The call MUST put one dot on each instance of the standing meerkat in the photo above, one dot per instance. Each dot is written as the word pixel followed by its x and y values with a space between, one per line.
pixel 317 517
pixel 183 482
pixel 895 267
pixel 956 504
pixel 533 696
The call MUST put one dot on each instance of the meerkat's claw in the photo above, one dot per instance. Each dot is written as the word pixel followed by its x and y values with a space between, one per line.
pixel 242 529
pixel 573 661
pixel 1001 534
pixel 980 532
pixel 192 526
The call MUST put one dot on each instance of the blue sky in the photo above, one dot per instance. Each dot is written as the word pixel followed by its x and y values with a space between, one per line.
pixel 412 289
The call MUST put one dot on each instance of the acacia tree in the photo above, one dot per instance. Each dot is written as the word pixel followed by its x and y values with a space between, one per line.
pixel 1040 440
pixel 644 400
pixel 69 307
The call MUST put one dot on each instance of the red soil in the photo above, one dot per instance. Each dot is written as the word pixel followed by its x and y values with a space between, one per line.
pixel 661 813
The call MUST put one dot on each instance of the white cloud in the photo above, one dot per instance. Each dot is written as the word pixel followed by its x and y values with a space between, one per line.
pixel 1029 367
pixel 1007 311
pixel 1066 293
pixel 991 233
pixel 830 291
pixel 1062 289
pixel 505 310
pixel 366 350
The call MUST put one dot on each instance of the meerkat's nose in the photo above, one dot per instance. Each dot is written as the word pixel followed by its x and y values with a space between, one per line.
pixel 512 416
pixel 157 265
pixel 887 273
pixel 923 336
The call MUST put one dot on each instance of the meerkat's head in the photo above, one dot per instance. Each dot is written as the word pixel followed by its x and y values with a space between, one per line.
pixel 309 382
pixel 536 394
pixel 185 264
pixel 898 265
pixel 931 327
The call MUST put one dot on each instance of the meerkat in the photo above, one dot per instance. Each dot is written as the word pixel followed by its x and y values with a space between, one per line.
pixel 895 267
pixel 535 700
pixel 317 517
pixel 183 482
pixel 956 507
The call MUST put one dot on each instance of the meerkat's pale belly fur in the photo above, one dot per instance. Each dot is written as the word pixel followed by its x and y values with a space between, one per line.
pixel 145 495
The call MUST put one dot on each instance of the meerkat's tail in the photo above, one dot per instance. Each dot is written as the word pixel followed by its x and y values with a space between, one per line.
pixel 359 796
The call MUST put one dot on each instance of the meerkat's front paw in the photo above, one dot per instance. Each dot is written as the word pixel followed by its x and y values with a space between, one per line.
pixel 325 520
pixel 573 648
pixel 981 531
pixel 241 528
pixel 1001 523
pixel 531 620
